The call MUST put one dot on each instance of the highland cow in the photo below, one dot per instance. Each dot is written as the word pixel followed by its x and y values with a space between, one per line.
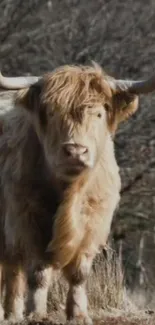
pixel 60 182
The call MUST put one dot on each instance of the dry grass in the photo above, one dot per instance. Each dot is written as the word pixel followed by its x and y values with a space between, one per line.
pixel 108 303
pixel 110 320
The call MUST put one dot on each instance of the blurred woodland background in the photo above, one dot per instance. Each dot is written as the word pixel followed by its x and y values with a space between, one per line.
pixel 39 35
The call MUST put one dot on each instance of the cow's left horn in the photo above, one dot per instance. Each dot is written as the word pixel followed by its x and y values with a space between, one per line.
pixel 17 82
pixel 136 87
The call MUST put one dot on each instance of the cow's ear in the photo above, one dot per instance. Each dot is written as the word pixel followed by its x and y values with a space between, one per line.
pixel 29 97
pixel 123 105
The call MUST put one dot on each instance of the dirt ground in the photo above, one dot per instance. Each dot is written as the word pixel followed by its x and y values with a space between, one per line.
pixel 104 321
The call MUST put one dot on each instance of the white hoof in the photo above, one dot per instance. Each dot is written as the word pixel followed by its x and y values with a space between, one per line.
pixel 37 316
pixel 82 320
pixel 14 318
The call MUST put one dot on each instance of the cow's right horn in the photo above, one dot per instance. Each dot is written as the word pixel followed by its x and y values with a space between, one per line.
pixel 13 83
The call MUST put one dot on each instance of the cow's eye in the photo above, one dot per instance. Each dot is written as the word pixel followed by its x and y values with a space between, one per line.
pixel 99 115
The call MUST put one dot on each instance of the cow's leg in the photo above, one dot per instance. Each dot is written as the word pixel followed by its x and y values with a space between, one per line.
pixel 15 289
pixel 1 289
pixel 38 281
pixel 77 274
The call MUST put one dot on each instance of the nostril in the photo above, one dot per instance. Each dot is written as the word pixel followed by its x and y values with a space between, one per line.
pixel 82 150
pixel 67 150
pixel 85 150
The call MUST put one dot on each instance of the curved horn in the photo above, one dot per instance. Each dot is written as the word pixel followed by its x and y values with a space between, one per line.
pixel 136 87
pixel 17 82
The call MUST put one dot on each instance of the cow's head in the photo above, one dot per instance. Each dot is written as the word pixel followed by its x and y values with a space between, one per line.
pixel 74 110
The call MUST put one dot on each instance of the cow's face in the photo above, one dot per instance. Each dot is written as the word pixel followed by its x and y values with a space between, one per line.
pixel 74 112
pixel 74 141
